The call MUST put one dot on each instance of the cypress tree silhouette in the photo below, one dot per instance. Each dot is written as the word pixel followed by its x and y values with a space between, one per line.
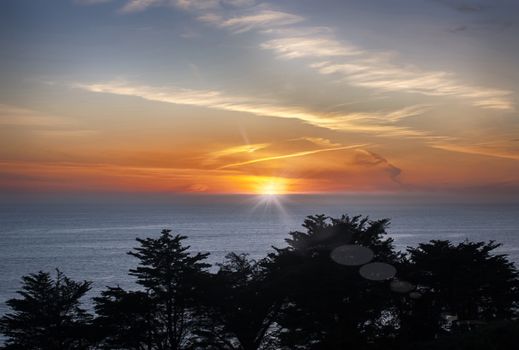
pixel 125 320
pixel 48 316
pixel 171 277
pixel 329 305
pixel 501 335
pixel 241 307
pixel 466 282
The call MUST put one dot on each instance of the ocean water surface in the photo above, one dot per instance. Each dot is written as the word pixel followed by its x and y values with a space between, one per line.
pixel 88 238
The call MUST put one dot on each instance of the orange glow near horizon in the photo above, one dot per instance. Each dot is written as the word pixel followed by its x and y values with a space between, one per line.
pixel 348 170
pixel 272 187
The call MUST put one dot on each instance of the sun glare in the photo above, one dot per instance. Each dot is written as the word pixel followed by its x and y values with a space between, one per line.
pixel 270 195
pixel 271 188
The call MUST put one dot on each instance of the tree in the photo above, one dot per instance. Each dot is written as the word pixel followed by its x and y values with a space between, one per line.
pixel 125 320
pixel 467 281
pixel 172 279
pixel 241 306
pixel 48 316
pixel 328 305
pixel 499 335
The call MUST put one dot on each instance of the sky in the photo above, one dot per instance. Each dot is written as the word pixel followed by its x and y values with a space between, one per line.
pixel 244 96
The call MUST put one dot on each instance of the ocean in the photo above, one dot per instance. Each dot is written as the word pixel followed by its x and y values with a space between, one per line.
pixel 88 237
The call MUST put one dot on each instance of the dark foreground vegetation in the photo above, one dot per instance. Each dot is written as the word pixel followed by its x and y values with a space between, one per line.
pixel 338 285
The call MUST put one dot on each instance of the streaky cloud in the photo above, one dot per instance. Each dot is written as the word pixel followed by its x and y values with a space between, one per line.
pixel 257 20
pixel 291 155
pixel 218 100
pixel 476 150
pixel 139 5
pixel 356 66
pixel 249 148
pixel 16 116
pixel 391 117
pixel 188 5
pixel 297 47
pixel 382 75
pixel 42 124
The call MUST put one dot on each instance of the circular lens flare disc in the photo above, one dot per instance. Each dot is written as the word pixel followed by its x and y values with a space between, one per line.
pixel 351 255
pixel 377 271
pixel 401 286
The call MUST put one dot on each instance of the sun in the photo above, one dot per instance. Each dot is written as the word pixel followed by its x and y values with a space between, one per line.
pixel 270 195
pixel 271 188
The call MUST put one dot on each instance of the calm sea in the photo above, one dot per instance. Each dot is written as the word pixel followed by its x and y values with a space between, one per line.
pixel 88 238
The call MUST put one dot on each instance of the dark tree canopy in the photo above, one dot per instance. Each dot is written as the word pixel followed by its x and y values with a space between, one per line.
pixel 242 306
pixel 327 305
pixel 466 281
pixel 499 335
pixel 171 278
pixel 323 233
pixel 48 315
pixel 125 320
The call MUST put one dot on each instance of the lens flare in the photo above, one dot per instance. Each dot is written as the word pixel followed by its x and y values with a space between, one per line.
pixel 270 195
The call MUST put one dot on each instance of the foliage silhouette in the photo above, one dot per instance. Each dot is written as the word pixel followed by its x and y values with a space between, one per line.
pixel 48 316
pixel 170 276
pixel 466 281
pixel 125 320
pixel 502 335
pixel 327 305
pixel 303 296
pixel 241 306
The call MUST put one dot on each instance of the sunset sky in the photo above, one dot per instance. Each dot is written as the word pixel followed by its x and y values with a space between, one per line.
pixel 244 96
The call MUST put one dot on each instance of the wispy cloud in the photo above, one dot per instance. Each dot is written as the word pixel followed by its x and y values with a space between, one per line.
pixel 355 65
pixel 291 155
pixel 262 19
pixel 196 4
pixel 189 5
pixel 379 74
pixel 250 148
pixel 389 117
pixel 16 116
pixel 297 47
pixel 40 124
pixel 208 98
pixel 355 122
pixel 139 5
pixel 368 158
pixel 319 141
pixel 78 176
pixel 481 150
